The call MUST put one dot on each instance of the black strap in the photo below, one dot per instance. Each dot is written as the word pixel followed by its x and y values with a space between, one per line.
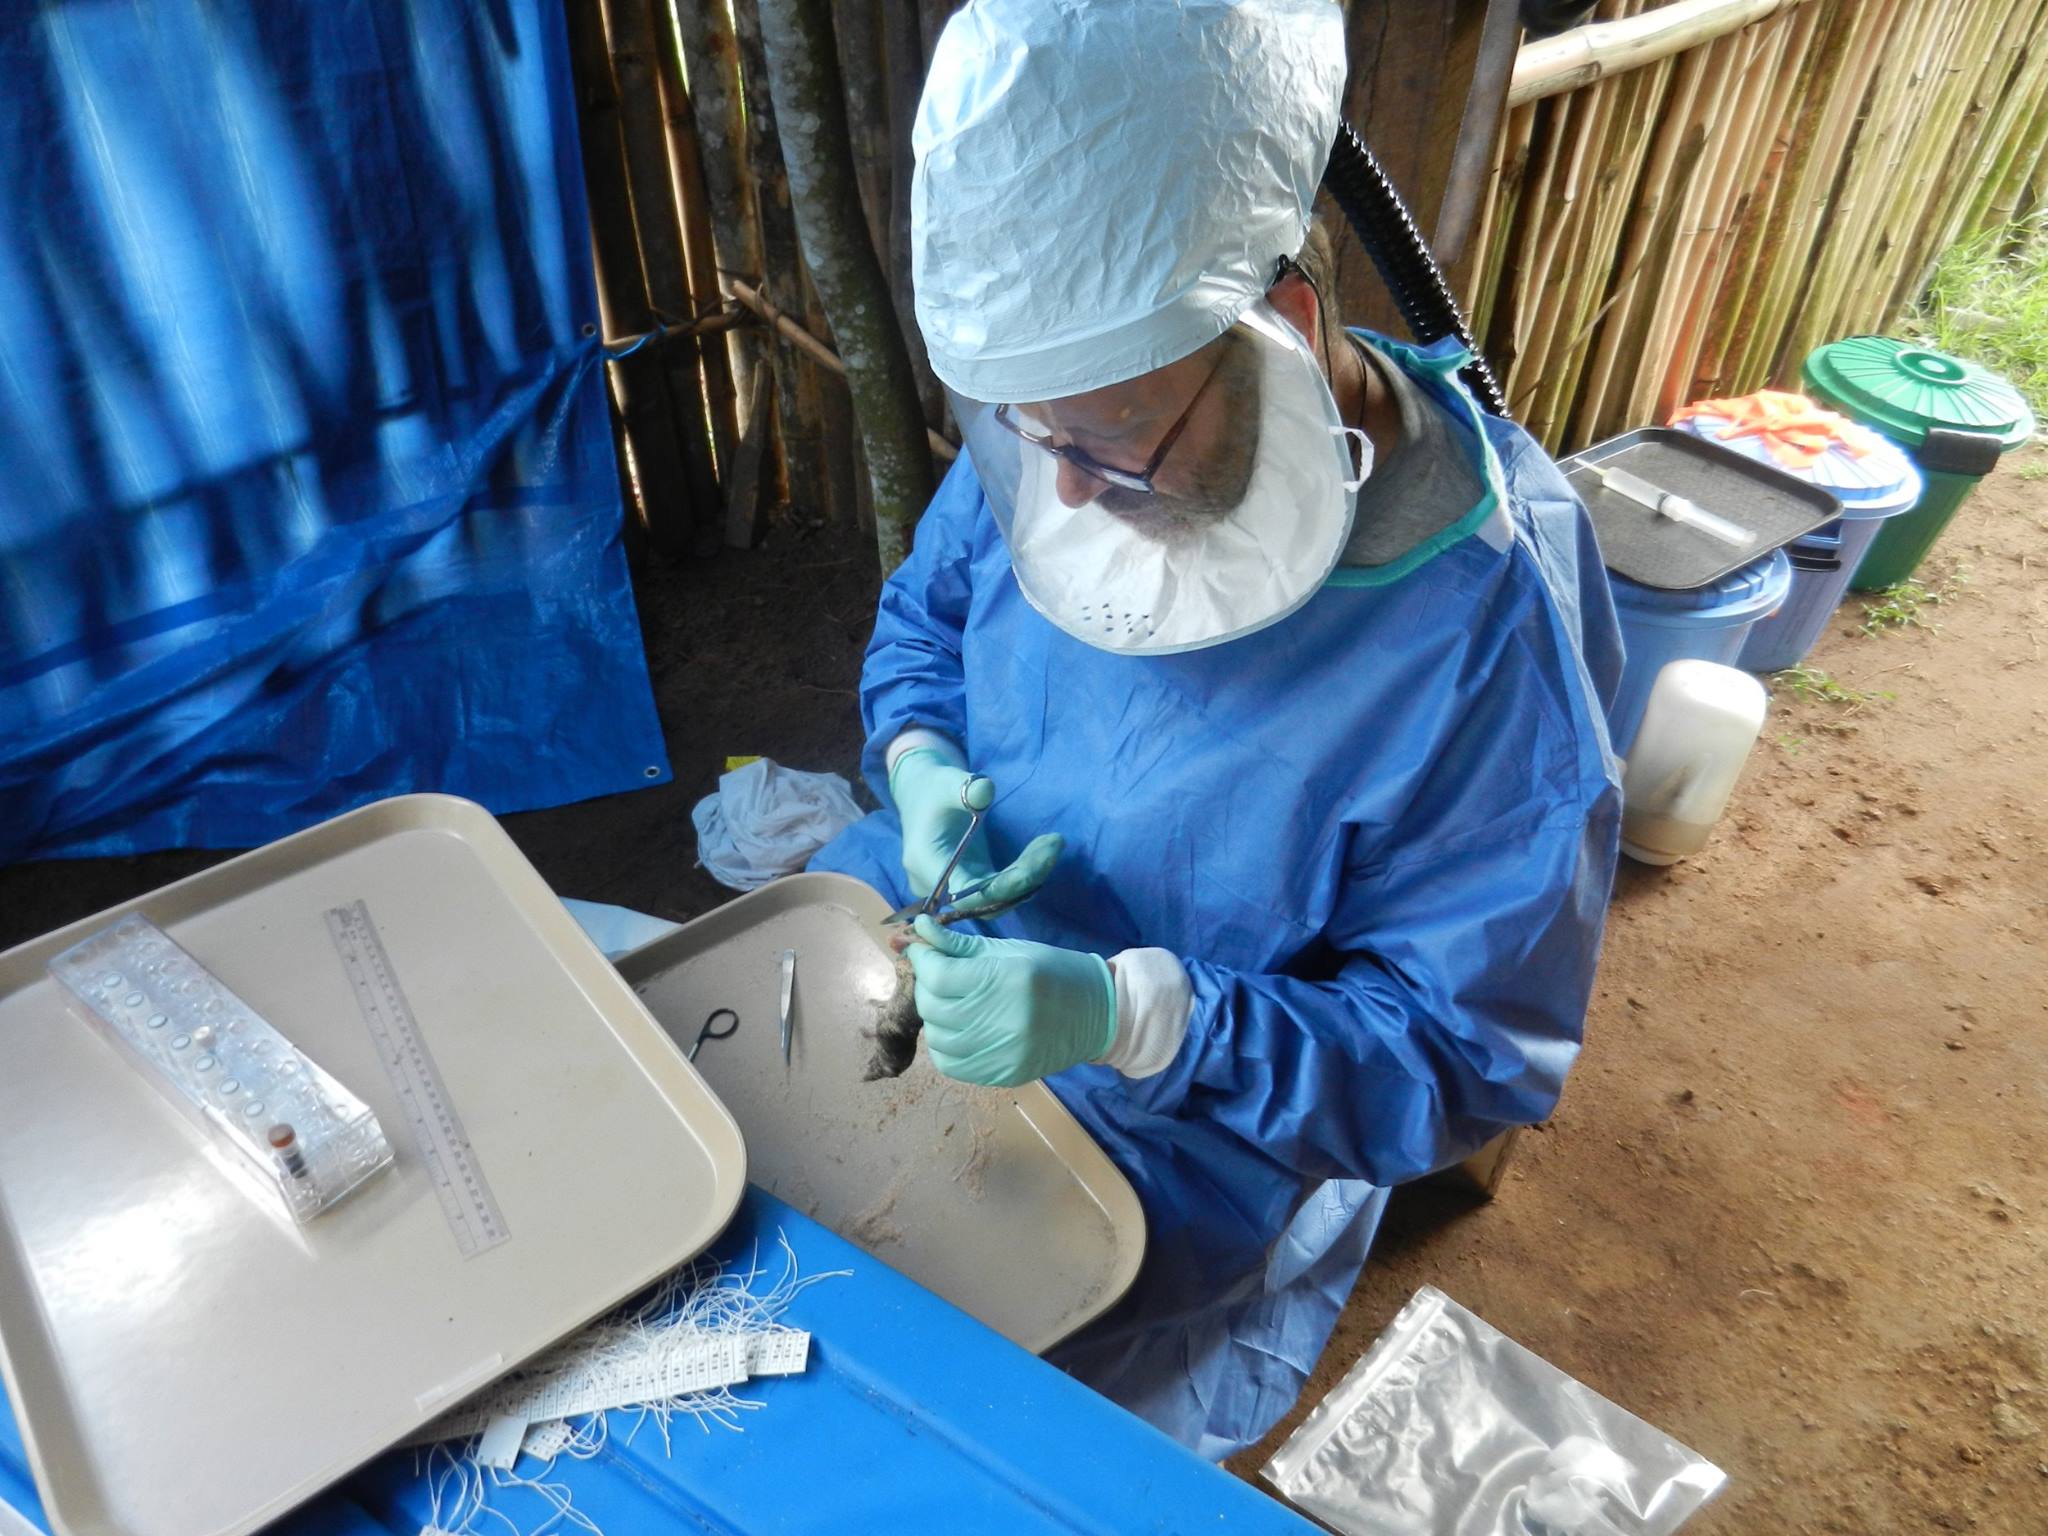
pixel 1948 452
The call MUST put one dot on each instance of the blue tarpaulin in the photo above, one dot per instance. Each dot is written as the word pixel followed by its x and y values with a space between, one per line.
pixel 307 493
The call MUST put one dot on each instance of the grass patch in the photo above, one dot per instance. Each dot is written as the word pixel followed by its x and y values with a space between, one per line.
pixel 1988 301
pixel 1814 684
pixel 1910 604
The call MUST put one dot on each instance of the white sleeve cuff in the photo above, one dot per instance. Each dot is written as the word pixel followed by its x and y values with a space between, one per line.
pixel 912 736
pixel 1154 999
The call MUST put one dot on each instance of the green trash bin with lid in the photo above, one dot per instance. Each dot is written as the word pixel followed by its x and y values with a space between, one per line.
pixel 1954 417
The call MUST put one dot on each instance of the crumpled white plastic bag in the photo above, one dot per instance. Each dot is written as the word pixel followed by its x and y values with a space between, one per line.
pixel 766 820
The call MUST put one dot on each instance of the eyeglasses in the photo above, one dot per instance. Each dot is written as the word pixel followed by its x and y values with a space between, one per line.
pixel 1124 479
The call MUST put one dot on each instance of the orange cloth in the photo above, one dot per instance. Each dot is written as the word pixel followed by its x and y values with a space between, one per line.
pixel 1795 430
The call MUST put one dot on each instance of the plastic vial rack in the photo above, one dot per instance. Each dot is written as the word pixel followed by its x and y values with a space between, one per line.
pixel 222 1063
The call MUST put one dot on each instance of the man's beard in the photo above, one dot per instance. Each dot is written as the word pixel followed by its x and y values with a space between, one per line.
pixel 1217 485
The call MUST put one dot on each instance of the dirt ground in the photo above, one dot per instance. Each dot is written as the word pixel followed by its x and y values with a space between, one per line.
pixel 1794 1208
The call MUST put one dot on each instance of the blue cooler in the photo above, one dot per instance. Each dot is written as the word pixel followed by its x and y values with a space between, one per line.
pixel 1709 623
pixel 1878 483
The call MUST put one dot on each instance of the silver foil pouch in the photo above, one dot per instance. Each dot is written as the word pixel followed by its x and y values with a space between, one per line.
pixel 1447 1427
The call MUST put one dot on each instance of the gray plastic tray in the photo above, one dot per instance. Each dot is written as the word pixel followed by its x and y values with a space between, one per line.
pixel 995 1199
pixel 1639 543
pixel 182 1359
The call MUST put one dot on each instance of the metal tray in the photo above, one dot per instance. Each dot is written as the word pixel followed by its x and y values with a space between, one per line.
pixel 994 1198
pixel 182 1359
pixel 1652 550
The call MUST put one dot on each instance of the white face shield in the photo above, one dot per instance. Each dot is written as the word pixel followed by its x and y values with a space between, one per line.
pixel 1180 509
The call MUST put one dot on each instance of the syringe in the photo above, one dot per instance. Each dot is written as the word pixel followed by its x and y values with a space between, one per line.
pixel 1670 504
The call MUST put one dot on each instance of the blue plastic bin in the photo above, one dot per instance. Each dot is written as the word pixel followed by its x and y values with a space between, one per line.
pixel 1710 623
pixel 1823 565
pixel 1876 483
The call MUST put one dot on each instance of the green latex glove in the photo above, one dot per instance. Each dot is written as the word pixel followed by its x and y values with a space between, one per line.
pixel 926 785
pixel 1000 1012
pixel 1018 881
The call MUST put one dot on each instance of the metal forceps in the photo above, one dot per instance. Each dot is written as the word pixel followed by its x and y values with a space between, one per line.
pixel 708 1032
pixel 976 796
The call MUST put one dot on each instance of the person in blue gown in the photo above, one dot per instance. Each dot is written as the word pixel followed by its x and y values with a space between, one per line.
pixel 1303 656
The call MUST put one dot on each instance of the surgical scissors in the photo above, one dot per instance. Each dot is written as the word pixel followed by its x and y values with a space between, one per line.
pixel 708 1033
pixel 977 794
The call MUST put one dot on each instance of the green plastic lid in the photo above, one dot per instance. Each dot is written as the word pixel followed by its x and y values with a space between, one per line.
pixel 1906 390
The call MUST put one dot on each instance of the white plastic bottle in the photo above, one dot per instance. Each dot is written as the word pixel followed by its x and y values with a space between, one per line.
pixel 1697 732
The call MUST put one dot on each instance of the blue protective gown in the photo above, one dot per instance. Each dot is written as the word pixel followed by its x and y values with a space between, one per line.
pixel 1380 835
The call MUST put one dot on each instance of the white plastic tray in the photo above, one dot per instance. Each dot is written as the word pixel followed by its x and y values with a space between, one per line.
pixel 182 1359
pixel 994 1198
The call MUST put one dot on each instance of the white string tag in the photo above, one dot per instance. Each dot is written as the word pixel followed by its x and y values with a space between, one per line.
pixel 500 1444
pixel 621 1367
pixel 544 1442
pixel 779 1352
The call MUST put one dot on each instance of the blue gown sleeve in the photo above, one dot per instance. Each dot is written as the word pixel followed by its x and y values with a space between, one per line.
pixel 1461 979
pixel 913 673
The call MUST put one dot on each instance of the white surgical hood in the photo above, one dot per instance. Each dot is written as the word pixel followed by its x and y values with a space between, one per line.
pixel 1101 188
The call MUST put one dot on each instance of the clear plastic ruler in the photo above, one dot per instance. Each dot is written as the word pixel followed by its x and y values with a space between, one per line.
pixel 459 1183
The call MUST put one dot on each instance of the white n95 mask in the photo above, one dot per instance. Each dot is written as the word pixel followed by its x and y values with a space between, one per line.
pixel 1223 511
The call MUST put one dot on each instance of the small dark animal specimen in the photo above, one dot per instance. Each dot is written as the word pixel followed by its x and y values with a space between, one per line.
pixel 897 1024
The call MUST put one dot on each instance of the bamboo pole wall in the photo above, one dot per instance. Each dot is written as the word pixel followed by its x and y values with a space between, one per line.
pixel 1695 225
pixel 689 196
pixel 1690 218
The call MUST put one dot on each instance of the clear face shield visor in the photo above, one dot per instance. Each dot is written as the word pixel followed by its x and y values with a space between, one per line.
pixel 1189 506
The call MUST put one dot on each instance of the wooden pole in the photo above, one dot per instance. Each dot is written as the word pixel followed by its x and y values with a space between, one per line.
pixel 1411 94
pixel 857 28
pixel 2009 174
pixel 1719 90
pixel 1635 99
pixel 658 229
pixel 742 484
pixel 1494 45
pixel 1523 276
pixel 780 274
pixel 823 355
pixel 1871 23
pixel 1579 126
pixel 1510 169
pixel 1997 104
pixel 903 68
pixel 803 68
pixel 1575 260
pixel 639 384
pixel 1656 209
pixel 1727 161
pixel 1842 246
pixel 1789 181
pixel 1747 250
pixel 1753 331
pixel 711 52
pixel 1961 172
pixel 1869 258
pixel 1574 59
pixel 711 325
pixel 1914 189
pixel 693 200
